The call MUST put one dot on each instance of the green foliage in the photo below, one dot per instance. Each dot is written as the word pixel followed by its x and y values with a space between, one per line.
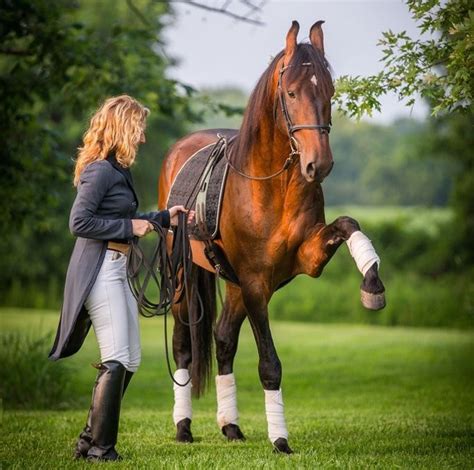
pixel 355 397
pixel 438 66
pixel 426 282
pixel 27 378
pixel 382 165
pixel 219 108
pixel 373 164
pixel 451 138
pixel 58 62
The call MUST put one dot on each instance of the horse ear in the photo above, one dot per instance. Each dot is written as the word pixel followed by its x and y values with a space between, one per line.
pixel 291 42
pixel 316 36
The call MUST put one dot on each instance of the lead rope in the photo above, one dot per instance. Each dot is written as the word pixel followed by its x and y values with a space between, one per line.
pixel 291 158
pixel 172 282
pixel 175 270
pixel 138 263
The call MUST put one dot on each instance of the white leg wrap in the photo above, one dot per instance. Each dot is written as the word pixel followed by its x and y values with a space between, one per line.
pixel 182 397
pixel 363 252
pixel 275 415
pixel 226 389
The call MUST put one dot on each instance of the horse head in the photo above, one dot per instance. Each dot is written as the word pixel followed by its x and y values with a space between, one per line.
pixel 304 88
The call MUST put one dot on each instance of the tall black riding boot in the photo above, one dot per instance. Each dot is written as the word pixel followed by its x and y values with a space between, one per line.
pixel 112 380
pixel 105 413
pixel 84 442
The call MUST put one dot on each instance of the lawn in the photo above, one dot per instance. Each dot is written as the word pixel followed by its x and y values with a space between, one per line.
pixel 355 396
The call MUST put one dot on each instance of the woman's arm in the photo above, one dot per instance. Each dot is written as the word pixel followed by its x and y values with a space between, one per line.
pixel 167 217
pixel 160 217
pixel 83 221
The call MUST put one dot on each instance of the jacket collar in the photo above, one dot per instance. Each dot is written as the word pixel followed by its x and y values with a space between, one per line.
pixel 124 171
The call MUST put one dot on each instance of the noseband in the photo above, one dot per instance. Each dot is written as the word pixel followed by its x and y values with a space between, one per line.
pixel 323 128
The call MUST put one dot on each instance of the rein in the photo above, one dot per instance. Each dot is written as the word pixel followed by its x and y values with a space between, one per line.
pixel 291 158
pixel 291 128
pixel 172 281
pixel 160 261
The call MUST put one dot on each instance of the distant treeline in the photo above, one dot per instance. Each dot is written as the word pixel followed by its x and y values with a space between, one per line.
pixel 375 164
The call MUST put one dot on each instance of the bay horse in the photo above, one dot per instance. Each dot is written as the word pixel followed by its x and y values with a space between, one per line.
pixel 272 228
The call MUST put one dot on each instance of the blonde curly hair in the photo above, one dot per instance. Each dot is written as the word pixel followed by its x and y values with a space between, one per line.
pixel 117 126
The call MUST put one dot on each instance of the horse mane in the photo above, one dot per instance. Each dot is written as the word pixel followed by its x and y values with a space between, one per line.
pixel 262 97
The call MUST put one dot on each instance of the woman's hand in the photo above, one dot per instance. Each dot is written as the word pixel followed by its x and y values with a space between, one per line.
pixel 141 227
pixel 174 211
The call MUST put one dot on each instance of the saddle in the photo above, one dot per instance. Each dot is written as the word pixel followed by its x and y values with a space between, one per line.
pixel 199 185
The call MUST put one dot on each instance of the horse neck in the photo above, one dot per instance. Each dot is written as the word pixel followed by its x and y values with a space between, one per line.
pixel 287 193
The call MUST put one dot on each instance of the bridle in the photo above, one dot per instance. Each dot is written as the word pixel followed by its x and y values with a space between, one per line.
pixel 291 128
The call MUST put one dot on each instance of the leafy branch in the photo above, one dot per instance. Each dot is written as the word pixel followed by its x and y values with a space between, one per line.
pixel 438 67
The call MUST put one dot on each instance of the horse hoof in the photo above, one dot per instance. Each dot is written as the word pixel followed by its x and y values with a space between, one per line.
pixel 281 446
pixel 233 432
pixel 183 431
pixel 372 301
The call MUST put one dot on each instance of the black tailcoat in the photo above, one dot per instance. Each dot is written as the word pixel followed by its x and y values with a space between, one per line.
pixel 102 211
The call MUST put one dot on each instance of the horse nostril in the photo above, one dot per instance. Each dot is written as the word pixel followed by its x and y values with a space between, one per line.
pixel 311 170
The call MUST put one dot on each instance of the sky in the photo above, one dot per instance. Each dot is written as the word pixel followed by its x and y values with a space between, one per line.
pixel 214 50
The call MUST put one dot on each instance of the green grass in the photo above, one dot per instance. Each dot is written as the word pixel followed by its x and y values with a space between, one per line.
pixel 355 396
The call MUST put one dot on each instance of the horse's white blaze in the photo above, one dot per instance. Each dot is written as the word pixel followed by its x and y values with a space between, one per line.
pixel 363 252
pixel 275 415
pixel 182 397
pixel 226 390
pixel 314 80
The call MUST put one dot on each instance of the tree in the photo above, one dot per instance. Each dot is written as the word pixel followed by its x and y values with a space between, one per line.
pixel 438 66
pixel 241 10
pixel 58 61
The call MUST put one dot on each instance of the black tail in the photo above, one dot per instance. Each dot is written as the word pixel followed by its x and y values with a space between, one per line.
pixel 202 317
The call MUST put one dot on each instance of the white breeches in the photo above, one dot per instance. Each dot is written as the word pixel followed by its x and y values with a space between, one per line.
pixel 114 313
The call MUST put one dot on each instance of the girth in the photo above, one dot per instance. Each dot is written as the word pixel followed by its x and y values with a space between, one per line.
pixel 219 262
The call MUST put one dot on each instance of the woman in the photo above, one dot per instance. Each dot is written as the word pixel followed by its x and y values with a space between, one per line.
pixel 104 218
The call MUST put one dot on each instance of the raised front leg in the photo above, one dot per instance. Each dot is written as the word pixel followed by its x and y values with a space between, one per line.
pixel 372 290
pixel 324 240
pixel 255 296
pixel 226 335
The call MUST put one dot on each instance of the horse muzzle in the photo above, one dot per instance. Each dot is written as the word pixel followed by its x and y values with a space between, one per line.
pixel 313 172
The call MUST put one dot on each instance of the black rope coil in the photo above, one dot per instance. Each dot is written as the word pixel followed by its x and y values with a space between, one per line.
pixel 170 272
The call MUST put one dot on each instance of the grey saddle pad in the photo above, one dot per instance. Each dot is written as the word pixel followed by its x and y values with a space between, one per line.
pixel 186 186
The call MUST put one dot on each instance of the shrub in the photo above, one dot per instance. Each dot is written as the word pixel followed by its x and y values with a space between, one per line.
pixel 27 378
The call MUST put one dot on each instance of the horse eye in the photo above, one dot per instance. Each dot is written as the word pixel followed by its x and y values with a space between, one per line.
pixel 291 94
